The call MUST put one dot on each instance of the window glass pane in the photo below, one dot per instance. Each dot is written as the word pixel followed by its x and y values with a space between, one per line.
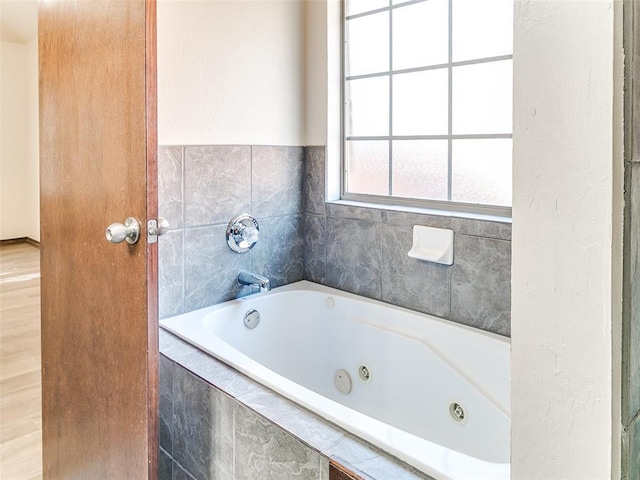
pixel 368 167
pixel 421 34
pixel 420 169
pixel 481 171
pixel 367 107
pixel 360 6
pixel 420 103
pixel 367 44
pixel 482 28
pixel 483 98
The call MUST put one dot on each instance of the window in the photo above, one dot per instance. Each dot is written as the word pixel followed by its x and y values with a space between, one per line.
pixel 428 103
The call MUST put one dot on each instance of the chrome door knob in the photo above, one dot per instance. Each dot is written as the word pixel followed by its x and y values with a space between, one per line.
pixel 129 231
pixel 163 226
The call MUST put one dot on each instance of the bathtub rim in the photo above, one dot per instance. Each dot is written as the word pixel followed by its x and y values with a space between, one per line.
pixel 454 363
pixel 496 470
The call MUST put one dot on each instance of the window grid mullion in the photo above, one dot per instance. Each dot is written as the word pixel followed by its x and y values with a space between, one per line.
pixel 382 9
pixel 439 66
pixel 390 188
pixel 459 136
pixel 450 106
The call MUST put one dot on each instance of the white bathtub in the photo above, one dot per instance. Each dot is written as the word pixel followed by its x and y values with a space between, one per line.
pixel 418 367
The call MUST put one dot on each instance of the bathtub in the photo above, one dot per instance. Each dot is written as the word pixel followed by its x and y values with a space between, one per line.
pixel 431 392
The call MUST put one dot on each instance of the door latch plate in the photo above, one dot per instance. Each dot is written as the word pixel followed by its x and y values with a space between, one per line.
pixel 152 231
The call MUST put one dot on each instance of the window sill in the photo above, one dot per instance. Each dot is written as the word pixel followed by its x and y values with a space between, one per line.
pixel 424 211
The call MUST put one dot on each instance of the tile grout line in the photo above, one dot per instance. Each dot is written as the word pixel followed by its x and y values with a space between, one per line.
pixel 184 234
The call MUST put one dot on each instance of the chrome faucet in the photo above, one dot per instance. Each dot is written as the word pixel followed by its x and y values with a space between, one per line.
pixel 254 280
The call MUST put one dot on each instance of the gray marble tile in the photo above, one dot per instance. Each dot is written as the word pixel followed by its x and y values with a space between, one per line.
pixel 409 219
pixel 353 253
pixel 264 451
pixel 411 283
pixel 211 268
pixel 631 341
pixel 171 346
pixel 315 249
pixel 634 451
pixel 170 180
pixel 203 427
pixel 180 473
pixel 481 228
pixel 633 60
pixel 165 410
pixel 276 181
pixel 371 460
pixel 314 180
pixel 205 366
pixel 338 210
pixel 324 468
pixel 481 283
pixel 217 373
pixel 278 253
pixel 165 465
pixel 217 184
pixel 171 274
pixel 304 425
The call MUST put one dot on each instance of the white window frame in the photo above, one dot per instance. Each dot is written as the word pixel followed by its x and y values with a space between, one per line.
pixel 446 206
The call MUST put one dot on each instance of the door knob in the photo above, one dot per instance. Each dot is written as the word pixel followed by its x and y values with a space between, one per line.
pixel 129 231
pixel 155 228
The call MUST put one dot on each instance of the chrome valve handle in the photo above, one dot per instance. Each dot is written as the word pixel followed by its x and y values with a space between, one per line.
pixel 242 233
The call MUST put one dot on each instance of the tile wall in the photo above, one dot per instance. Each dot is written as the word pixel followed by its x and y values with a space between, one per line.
pixel 218 424
pixel 359 250
pixel 364 251
pixel 631 326
pixel 201 188
pixel 206 434
pixel 631 293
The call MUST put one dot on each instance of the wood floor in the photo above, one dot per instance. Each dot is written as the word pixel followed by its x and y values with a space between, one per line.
pixel 20 386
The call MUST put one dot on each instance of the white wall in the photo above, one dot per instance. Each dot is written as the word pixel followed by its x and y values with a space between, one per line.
pixel 231 72
pixel 19 170
pixel 316 73
pixel 32 167
pixel 566 267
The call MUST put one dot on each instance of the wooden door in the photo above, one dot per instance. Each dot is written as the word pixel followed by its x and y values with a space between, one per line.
pixel 99 301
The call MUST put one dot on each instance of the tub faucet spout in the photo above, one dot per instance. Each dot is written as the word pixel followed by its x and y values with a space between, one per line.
pixel 253 279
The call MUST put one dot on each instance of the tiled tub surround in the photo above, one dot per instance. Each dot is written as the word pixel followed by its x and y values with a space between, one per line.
pixel 201 188
pixel 359 250
pixel 215 423
pixel 308 332
pixel 302 237
pixel 364 251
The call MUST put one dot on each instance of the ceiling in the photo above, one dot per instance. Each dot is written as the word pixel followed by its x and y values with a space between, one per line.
pixel 18 20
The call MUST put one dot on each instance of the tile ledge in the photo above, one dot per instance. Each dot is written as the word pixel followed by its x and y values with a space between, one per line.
pixel 181 352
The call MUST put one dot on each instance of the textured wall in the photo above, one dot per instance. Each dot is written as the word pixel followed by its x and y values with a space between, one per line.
pixel 364 251
pixel 566 269
pixel 200 190
pixel 231 72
